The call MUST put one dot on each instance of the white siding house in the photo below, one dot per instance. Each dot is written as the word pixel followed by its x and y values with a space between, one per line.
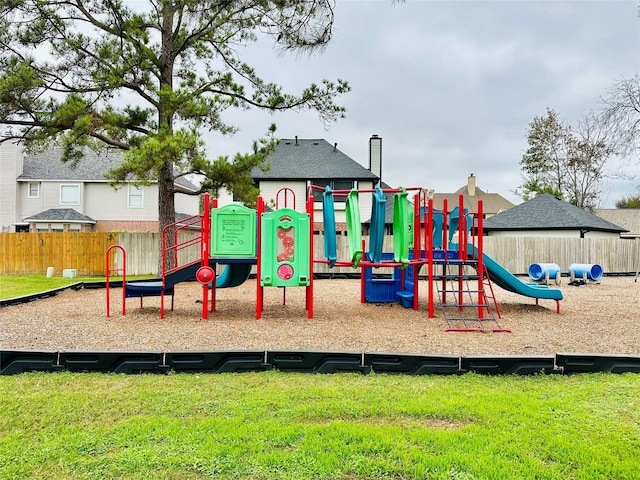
pixel 40 193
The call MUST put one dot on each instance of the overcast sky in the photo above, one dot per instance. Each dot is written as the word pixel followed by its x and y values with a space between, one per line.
pixel 451 86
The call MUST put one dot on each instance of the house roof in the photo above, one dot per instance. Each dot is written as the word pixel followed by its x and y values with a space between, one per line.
pixel 304 159
pixel 91 168
pixel 628 218
pixel 491 202
pixel 546 212
pixel 60 215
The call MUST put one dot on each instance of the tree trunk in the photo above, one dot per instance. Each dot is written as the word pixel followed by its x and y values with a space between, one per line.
pixel 166 213
pixel 166 201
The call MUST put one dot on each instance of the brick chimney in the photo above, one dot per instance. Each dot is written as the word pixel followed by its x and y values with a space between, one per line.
pixel 471 185
pixel 375 156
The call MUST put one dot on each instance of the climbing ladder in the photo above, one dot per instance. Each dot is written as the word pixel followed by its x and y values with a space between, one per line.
pixel 464 297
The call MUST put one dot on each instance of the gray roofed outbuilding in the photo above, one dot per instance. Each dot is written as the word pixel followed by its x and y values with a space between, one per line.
pixel 547 212
pixel 60 215
pixel 304 159
pixel 91 168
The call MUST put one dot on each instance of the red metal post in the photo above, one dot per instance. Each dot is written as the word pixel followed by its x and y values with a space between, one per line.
pixel 214 204
pixel 445 243
pixel 106 274
pixel 429 251
pixel 205 240
pixel 462 253
pixel 259 288
pixel 480 244
pixel 416 247
pixel 108 271
pixel 309 288
pixel 362 279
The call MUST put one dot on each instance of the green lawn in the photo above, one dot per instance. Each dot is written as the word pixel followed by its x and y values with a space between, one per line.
pixel 19 285
pixel 274 425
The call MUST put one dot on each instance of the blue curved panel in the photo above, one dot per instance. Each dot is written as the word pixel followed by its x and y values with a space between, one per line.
pixel 329 220
pixel 376 235
pixel 234 275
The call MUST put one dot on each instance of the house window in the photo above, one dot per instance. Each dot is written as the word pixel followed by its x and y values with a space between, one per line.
pixel 334 185
pixel 136 196
pixel 69 194
pixel 34 189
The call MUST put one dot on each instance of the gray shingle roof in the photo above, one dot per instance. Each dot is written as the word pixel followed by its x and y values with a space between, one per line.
pixel 60 215
pixel 305 159
pixel 628 218
pixel 546 212
pixel 47 166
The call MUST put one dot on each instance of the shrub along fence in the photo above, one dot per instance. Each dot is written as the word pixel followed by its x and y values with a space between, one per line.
pixel 32 253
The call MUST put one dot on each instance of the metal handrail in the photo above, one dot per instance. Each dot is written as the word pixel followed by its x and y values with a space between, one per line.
pixel 189 222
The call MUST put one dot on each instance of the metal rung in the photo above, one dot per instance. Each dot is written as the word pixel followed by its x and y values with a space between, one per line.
pixel 464 305
pixel 486 318
pixel 460 291
pixel 454 277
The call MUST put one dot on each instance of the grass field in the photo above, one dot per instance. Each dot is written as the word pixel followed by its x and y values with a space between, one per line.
pixel 19 285
pixel 299 426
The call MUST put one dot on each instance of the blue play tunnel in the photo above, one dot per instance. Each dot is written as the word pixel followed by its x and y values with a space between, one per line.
pixel 539 271
pixel 593 271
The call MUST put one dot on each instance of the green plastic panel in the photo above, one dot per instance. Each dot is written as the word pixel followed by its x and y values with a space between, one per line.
pixel 401 228
pixel 354 228
pixel 233 231
pixel 285 257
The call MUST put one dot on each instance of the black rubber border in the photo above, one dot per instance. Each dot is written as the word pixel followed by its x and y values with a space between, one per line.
pixel 23 361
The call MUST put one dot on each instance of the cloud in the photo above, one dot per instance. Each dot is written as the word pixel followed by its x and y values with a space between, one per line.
pixel 452 86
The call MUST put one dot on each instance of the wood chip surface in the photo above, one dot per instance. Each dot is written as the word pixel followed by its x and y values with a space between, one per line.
pixel 595 318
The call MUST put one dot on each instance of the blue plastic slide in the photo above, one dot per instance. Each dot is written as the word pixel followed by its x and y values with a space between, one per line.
pixel 233 275
pixel 329 219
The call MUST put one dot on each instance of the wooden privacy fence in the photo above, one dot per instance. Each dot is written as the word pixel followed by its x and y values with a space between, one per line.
pixel 516 254
pixel 24 253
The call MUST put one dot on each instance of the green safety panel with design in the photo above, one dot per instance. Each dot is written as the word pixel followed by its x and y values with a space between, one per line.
pixel 233 231
pixel 285 241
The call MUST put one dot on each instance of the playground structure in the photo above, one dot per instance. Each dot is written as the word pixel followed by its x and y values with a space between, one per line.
pixel 279 243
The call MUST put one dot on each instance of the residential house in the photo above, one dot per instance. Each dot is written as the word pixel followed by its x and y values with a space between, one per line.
pixel 492 203
pixel 41 193
pixel 548 216
pixel 628 218
pixel 298 164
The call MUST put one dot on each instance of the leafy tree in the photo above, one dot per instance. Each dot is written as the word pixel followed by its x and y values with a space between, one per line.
pixel 148 77
pixel 568 162
pixel 543 163
pixel 632 201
